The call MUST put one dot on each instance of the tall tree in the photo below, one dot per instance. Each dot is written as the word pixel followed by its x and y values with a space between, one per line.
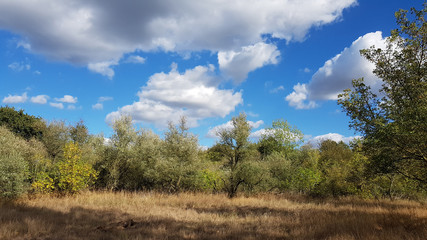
pixel 236 142
pixel 393 122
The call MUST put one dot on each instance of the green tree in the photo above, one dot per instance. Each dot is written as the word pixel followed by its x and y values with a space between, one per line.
pixel 281 137
pixel 55 136
pixel 20 123
pixel 179 165
pixel 335 165
pixel 79 133
pixel 238 167
pixel 394 122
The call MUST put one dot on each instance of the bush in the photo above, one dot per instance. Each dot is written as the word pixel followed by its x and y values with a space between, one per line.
pixel 13 166
pixel 68 176
pixel 13 173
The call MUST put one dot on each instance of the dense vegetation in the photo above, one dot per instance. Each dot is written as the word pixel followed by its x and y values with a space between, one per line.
pixel 66 159
pixel 389 161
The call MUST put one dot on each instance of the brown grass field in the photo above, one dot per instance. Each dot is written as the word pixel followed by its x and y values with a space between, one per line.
pixel 108 215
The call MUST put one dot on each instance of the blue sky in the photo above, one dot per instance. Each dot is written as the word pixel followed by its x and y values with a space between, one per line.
pixel 207 60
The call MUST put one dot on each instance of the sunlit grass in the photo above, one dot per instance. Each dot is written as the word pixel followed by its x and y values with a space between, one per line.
pixel 121 215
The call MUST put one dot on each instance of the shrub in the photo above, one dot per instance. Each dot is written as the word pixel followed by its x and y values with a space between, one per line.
pixel 13 173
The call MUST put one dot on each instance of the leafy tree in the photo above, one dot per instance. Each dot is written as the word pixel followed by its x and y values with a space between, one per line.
pixel 281 137
pixel 334 163
pixel 20 123
pixel 179 165
pixel 79 133
pixel 55 136
pixel 239 166
pixel 114 165
pixel 394 122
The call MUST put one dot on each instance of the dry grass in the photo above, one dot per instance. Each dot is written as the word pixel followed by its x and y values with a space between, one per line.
pixel 107 215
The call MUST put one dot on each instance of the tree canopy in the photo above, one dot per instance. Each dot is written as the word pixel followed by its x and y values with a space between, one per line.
pixel 393 121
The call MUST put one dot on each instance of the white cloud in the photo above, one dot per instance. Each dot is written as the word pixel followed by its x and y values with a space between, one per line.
pixel 103 99
pixel 93 33
pixel 212 133
pixel 57 105
pixel 277 89
pixel 103 68
pixel 15 98
pixel 298 97
pixel 67 99
pixel 331 136
pixel 71 107
pixel 98 106
pixel 337 73
pixel 237 65
pixel 168 96
pixel 18 67
pixel 40 99
pixel 135 59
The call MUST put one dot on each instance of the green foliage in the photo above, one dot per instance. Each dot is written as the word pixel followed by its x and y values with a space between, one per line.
pixel 79 133
pixel 16 155
pixel 335 165
pixel 180 163
pixel 237 152
pixel 210 180
pixel 20 123
pixel 13 173
pixel 281 137
pixel 394 123
pixel 55 136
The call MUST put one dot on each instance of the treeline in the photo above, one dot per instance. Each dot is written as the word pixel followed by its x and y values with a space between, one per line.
pixel 41 157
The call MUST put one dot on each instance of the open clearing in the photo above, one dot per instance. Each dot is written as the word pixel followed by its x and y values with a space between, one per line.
pixel 108 215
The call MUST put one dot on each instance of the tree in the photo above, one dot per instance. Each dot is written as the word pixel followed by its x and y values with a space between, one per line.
pixel 393 122
pixel 79 133
pixel 238 167
pixel 177 169
pixel 281 137
pixel 20 123
pixel 55 136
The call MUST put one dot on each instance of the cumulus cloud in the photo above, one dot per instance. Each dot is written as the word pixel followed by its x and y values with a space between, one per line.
pixel 18 67
pixel 237 65
pixel 298 97
pixel 15 98
pixel 39 99
pixel 94 33
pixel 135 59
pixel 98 106
pixel 315 142
pixel 57 105
pixel 168 96
pixel 212 133
pixel 67 99
pixel 336 74
pixel 103 68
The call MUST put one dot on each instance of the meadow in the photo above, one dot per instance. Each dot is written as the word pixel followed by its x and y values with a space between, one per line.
pixel 151 215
